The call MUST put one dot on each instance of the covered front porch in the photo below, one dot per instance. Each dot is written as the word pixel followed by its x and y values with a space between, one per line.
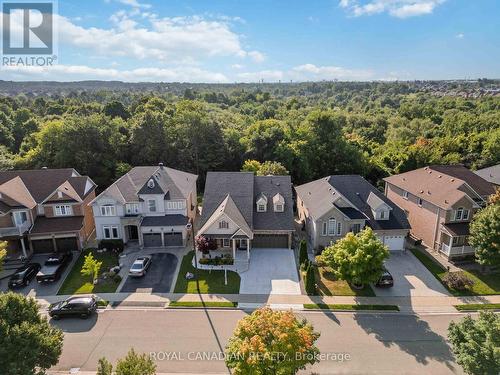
pixel 235 244
pixel 454 240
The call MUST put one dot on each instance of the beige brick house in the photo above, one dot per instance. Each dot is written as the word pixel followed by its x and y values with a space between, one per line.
pixel 45 210
pixel 440 202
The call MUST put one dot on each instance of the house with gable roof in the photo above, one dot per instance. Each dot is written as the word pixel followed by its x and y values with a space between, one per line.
pixel 149 205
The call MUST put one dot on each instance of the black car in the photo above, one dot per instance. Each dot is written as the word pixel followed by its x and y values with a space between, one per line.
pixel 53 267
pixel 24 275
pixel 82 307
pixel 385 280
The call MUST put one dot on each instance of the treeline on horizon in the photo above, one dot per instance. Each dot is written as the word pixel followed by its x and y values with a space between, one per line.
pixel 314 130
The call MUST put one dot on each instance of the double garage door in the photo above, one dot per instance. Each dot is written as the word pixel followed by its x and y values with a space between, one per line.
pixel 47 245
pixel 270 241
pixel 393 242
pixel 154 239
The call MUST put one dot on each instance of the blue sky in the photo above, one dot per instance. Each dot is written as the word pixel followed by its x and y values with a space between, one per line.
pixel 228 41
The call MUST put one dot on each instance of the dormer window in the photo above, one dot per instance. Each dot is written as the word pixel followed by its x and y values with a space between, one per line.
pixel 59 194
pixel 466 215
pixel 382 214
pixel 405 194
pixel 223 224
pixel 151 183
pixel 279 203
pixel 459 213
pixel 262 203
pixel 278 208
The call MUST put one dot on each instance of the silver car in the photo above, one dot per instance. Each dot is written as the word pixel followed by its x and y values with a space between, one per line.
pixel 140 266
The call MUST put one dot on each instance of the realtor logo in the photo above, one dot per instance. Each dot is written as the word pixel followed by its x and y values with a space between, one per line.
pixel 28 32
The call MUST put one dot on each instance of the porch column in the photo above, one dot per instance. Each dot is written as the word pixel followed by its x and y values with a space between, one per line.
pixel 289 241
pixel 140 236
pixel 24 247
pixel 162 238
pixel 248 248
pixel 234 248
pixel 54 244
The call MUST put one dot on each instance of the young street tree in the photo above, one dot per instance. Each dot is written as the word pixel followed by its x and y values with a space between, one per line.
pixel 28 343
pixel 357 259
pixel 91 267
pixel 485 235
pixel 3 252
pixel 475 343
pixel 132 364
pixel 271 342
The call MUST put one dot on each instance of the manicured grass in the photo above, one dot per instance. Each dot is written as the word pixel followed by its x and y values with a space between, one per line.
pixel 205 281
pixel 101 304
pixel 202 304
pixel 76 283
pixel 329 286
pixel 323 306
pixel 486 284
pixel 478 306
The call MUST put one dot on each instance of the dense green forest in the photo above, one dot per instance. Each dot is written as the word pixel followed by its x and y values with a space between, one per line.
pixel 314 129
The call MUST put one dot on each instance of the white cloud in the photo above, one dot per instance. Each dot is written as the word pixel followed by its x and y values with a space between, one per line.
pixel 396 8
pixel 257 56
pixel 82 72
pixel 307 72
pixel 135 4
pixel 460 36
pixel 237 66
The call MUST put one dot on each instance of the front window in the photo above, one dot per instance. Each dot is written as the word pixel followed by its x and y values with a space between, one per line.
pixel 152 205
pixel 325 229
pixel 110 232
pixel 108 210
pixel 454 241
pixel 331 227
pixel 466 215
pixel 223 225
pixel 63 210
pixel 20 217
pixel 339 228
pixel 356 228
pixel 226 242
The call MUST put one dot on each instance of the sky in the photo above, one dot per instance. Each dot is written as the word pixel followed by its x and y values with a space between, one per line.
pixel 225 41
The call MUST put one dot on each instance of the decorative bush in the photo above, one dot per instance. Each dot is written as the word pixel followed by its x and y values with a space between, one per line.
pixel 303 253
pixel 310 279
pixel 112 245
pixel 217 261
pixel 204 244
pixel 458 281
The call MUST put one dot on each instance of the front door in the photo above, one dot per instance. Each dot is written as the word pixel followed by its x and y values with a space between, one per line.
pixel 133 233
pixel 243 244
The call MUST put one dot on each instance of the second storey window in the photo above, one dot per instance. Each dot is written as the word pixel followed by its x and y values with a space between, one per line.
pixel 405 194
pixel 331 227
pixel 152 205
pixel 108 210
pixel 63 210
pixel 132 208
pixel 175 205
pixel 466 215
pixel 20 217
pixel 223 224
pixel 459 214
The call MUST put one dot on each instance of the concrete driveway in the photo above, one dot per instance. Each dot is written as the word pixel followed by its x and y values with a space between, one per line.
pixel 411 278
pixel 271 271
pixel 158 278
pixel 35 289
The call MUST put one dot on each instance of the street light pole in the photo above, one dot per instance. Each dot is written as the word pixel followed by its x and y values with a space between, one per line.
pixel 191 226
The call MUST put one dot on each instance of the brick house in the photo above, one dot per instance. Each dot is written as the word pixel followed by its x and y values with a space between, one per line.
pixel 440 201
pixel 45 210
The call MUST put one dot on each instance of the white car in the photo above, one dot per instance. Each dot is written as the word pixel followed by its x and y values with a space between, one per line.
pixel 140 266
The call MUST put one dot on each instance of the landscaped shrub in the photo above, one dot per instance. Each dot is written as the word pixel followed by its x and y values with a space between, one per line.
pixel 310 279
pixel 112 245
pixel 217 261
pixel 117 278
pixel 303 253
pixel 458 281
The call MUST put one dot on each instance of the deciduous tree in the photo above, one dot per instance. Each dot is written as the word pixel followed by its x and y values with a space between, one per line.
pixel 485 235
pixel 91 267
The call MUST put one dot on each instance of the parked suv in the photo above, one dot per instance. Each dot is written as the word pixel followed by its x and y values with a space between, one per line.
pixel 82 307
pixel 385 280
pixel 24 275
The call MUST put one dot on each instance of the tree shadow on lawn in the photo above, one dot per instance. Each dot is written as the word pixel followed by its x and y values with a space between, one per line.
pixel 411 334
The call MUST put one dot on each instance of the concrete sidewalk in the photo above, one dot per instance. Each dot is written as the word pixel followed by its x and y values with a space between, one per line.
pixel 406 304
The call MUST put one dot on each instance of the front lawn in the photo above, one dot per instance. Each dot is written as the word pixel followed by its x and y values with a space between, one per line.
pixel 205 282
pixel 329 286
pixel 323 306
pixel 76 283
pixel 486 284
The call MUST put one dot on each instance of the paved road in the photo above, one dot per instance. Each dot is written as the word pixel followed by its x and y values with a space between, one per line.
pixel 388 344
pixel 159 276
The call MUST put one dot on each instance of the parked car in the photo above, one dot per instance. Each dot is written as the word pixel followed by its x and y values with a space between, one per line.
pixel 24 275
pixel 54 267
pixel 385 280
pixel 82 307
pixel 140 266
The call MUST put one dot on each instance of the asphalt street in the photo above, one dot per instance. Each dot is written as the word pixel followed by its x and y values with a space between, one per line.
pixel 190 341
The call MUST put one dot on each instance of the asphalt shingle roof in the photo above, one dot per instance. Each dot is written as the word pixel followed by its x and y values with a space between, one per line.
pixel 490 174
pixel 167 220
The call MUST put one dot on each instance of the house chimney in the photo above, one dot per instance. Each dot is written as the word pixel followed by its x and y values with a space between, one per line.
pixel 160 164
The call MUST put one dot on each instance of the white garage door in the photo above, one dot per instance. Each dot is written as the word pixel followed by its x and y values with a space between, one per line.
pixel 394 242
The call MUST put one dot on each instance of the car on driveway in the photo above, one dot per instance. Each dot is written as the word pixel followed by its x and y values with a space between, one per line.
pixel 53 267
pixel 24 275
pixel 82 307
pixel 140 266
pixel 386 280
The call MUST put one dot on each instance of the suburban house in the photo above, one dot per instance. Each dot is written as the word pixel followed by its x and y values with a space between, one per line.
pixel 45 210
pixel 440 201
pixel 150 206
pixel 333 206
pixel 242 211
pixel 490 174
